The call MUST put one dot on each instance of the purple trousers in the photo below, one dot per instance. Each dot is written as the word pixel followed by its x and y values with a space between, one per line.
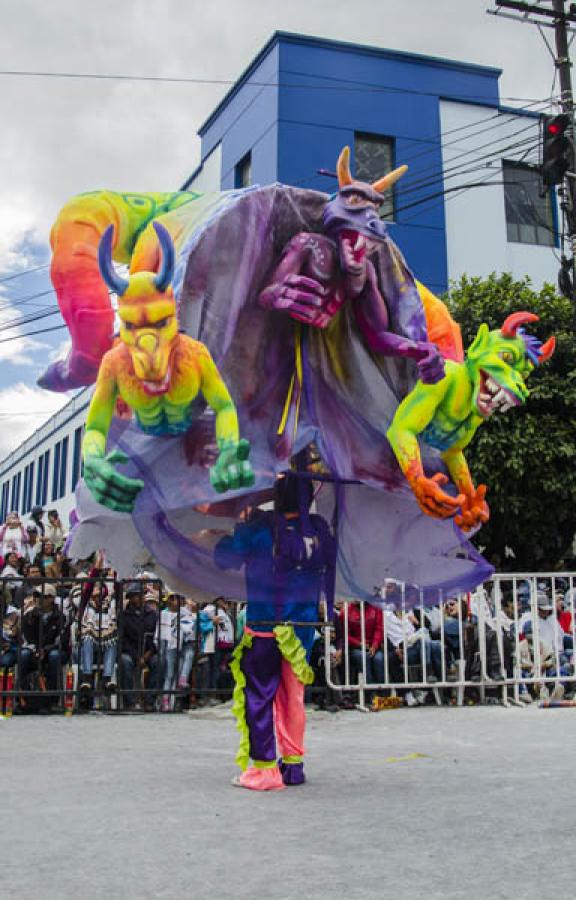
pixel 274 701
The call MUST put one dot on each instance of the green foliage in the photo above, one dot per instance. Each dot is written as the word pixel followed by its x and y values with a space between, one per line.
pixel 527 456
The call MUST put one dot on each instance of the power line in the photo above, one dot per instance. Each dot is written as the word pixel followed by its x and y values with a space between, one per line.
pixel 183 79
pixel 19 337
pixel 22 273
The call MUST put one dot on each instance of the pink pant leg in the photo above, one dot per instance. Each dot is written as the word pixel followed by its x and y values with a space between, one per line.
pixel 289 713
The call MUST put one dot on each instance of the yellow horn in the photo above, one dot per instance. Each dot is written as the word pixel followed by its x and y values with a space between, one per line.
pixel 384 183
pixel 343 168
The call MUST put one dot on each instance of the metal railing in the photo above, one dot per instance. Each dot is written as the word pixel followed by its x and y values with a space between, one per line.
pixel 90 643
pixel 504 642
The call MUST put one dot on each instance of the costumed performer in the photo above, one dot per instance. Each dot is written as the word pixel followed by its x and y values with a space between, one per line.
pixel 289 559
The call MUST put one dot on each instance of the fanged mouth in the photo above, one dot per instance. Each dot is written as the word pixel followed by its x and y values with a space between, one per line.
pixel 153 388
pixel 492 397
pixel 355 245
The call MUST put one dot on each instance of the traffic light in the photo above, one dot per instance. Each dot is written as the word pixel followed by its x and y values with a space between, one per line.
pixel 556 148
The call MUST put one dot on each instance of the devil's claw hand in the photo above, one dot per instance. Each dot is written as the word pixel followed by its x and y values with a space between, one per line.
pixel 432 499
pixel 474 510
pixel 430 363
pixel 232 469
pixel 298 295
pixel 109 487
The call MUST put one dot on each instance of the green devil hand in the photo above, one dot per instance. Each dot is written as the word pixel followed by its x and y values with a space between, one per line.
pixel 232 469
pixel 109 487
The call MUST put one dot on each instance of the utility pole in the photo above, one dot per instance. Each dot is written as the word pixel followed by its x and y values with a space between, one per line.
pixel 558 16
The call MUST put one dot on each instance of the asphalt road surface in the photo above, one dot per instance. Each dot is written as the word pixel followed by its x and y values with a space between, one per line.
pixel 410 804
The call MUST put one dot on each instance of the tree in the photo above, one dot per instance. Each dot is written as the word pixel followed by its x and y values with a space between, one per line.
pixel 526 456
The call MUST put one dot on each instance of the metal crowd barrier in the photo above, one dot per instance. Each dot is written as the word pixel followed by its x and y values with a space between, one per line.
pixel 42 650
pixel 492 645
pixel 499 644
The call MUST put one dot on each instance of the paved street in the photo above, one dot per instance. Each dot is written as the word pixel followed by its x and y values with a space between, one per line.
pixel 427 803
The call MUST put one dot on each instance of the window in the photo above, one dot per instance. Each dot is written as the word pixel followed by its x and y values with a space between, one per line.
pixel 243 172
pixel 42 479
pixel 77 457
pixel 56 472
pixel 63 467
pixel 373 158
pixel 4 504
pixel 59 469
pixel 529 216
pixel 28 484
pixel 15 501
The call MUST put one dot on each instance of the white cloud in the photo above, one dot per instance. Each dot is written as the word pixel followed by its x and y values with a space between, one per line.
pixel 20 351
pixel 23 409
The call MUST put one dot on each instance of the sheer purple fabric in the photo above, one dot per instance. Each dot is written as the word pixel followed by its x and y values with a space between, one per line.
pixel 349 398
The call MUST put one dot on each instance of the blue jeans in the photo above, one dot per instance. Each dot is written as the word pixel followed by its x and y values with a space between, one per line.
pixel 8 659
pixel 107 654
pixel 374 664
pixel 186 662
pixel 128 670
pixel 432 655
pixel 452 637
pixel 169 656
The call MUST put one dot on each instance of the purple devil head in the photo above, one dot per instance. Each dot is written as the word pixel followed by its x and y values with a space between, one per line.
pixel 351 217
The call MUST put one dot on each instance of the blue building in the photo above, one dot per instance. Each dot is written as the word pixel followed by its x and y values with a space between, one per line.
pixel 302 99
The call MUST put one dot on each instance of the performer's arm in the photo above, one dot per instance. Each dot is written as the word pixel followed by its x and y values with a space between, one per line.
pixel 232 551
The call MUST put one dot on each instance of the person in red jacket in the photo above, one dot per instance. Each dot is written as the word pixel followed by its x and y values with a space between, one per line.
pixel 370 657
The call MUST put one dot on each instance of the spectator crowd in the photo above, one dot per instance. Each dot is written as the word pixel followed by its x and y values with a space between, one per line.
pixel 135 645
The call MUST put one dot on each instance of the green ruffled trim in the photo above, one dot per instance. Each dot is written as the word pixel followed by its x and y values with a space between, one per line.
pixel 291 648
pixel 239 701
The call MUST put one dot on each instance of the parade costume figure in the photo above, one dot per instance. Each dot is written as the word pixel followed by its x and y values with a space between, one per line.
pixel 158 373
pixel 447 415
pixel 334 379
pixel 289 558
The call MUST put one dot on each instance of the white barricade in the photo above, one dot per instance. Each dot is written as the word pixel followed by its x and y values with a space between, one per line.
pixel 511 641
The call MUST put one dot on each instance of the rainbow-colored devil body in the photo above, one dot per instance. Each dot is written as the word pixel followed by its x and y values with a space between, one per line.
pixel 446 415
pixel 158 373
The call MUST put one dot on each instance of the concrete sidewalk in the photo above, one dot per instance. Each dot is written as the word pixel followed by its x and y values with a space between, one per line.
pixel 411 804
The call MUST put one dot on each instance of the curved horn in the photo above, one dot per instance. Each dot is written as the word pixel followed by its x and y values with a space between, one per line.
pixel 107 270
pixel 166 271
pixel 388 180
pixel 513 322
pixel 546 350
pixel 343 168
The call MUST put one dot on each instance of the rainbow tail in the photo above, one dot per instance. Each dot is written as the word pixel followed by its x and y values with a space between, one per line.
pixel 82 295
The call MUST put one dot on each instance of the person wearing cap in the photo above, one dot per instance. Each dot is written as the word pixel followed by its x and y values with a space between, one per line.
pixel 138 649
pixel 46 632
pixel 36 516
pixel 549 630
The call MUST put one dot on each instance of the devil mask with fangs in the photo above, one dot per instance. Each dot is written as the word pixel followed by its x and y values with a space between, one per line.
pixel 351 216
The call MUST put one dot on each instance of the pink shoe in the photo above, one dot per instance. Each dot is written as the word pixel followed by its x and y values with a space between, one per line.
pixel 260 779
pixel 166 704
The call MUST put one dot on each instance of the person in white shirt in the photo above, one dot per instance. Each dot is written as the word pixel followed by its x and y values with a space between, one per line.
pixel 167 640
pixel 34 545
pixel 547 625
pixel 54 530
pixel 411 643
pixel 13 537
